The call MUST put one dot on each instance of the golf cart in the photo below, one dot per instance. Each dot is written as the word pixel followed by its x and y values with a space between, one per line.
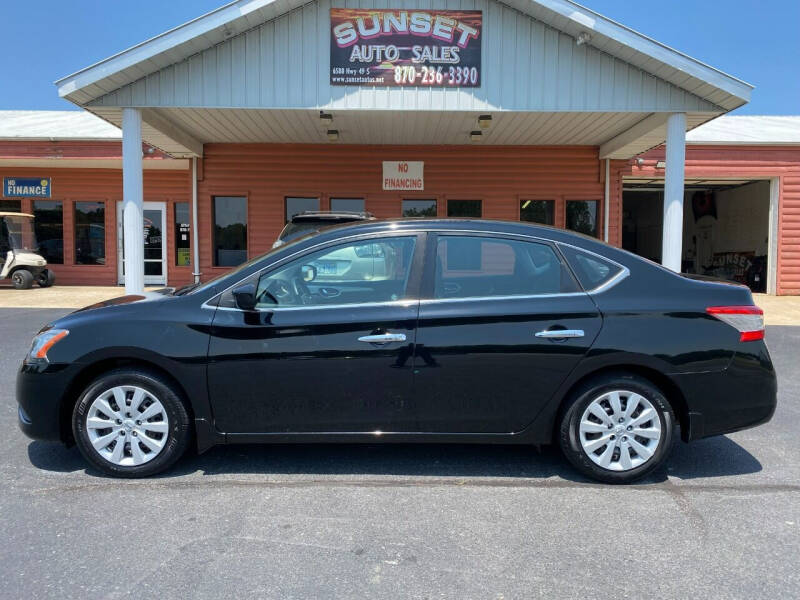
pixel 18 258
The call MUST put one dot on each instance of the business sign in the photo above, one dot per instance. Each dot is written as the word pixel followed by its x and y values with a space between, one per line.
pixel 403 48
pixel 26 187
pixel 403 175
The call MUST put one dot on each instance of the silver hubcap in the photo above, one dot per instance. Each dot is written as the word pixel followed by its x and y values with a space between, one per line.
pixel 127 425
pixel 620 430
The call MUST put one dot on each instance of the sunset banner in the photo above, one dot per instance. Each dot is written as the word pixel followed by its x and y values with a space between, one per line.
pixel 403 48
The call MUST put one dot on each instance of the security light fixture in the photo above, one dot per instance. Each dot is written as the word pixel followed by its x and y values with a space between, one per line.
pixel 639 162
pixel 485 121
pixel 475 136
pixel 662 164
pixel 583 38
pixel 326 118
pixel 333 135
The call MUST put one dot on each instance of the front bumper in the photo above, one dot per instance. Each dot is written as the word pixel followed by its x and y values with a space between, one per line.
pixel 41 390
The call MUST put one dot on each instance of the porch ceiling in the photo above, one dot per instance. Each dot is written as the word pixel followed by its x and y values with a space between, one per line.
pixel 197 126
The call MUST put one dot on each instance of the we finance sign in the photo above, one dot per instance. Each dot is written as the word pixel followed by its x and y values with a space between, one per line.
pixel 26 187
pixel 406 48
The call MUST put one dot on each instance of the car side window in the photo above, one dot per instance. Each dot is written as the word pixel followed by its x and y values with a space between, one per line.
pixel 477 267
pixel 374 270
pixel 591 270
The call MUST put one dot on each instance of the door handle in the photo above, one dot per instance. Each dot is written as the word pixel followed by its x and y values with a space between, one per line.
pixel 560 333
pixel 383 338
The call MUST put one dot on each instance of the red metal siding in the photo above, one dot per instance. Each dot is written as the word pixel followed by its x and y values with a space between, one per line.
pixel 105 185
pixel 498 175
pixel 757 162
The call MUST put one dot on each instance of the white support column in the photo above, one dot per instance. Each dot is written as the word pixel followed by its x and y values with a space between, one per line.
pixel 132 199
pixel 672 240
pixel 194 230
pixel 607 201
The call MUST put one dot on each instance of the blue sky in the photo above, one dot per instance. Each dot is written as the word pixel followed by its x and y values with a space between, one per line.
pixel 755 40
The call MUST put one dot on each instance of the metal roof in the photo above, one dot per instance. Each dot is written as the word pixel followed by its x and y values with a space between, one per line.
pixel 55 125
pixel 239 16
pixel 748 130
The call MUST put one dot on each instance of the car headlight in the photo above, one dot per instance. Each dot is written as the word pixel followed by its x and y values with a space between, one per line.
pixel 44 341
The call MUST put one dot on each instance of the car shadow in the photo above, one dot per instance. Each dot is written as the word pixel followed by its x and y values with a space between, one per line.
pixel 713 457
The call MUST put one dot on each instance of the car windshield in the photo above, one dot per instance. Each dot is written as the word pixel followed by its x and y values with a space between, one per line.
pixel 18 233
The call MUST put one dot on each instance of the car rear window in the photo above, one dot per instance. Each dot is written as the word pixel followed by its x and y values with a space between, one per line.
pixel 592 270
pixel 483 267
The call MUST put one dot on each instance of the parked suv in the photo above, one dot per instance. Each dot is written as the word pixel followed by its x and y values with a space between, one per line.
pixel 313 220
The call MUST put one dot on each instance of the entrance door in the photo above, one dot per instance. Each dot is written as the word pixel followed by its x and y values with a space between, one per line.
pixel 154 230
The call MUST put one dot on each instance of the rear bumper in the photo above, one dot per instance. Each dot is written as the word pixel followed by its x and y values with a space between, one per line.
pixel 743 396
pixel 40 391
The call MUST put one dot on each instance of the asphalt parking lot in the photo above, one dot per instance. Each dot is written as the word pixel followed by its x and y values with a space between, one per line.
pixel 721 521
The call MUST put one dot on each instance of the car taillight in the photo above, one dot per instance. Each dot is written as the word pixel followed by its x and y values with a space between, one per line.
pixel 748 320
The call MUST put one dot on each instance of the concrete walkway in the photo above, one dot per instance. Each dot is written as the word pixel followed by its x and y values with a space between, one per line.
pixel 59 296
pixel 778 310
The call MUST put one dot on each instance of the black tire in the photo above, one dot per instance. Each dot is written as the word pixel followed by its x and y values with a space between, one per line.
pixel 22 279
pixel 46 278
pixel 569 435
pixel 178 435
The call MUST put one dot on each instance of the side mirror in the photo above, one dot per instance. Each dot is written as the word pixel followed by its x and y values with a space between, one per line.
pixel 245 297
pixel 308 272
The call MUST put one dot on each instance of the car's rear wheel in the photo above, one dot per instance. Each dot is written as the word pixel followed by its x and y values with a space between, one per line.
pixel 46 278
pixel 131 423
pixel 617 428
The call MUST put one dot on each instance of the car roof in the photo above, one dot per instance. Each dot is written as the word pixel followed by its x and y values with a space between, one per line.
pixel 461 224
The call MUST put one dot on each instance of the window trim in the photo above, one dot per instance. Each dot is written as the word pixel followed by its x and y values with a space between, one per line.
pixel 106 215
pixel 320 198
pixel 447 199
pixel 328 198
pixel 429 277
pixel 413 286
pixel 64 205
pixel 607 285
pixel 212 197
pixel 420 196
pixel 599 216
pixel 192 232
pixel 555 199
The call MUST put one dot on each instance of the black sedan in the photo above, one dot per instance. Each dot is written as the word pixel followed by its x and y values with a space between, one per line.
pixel 409 331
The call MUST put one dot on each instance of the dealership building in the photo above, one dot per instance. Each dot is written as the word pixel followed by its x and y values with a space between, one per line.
pixel 540 111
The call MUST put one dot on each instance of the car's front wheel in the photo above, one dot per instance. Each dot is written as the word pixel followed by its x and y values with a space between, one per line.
pixel 22 279
pixel 617 428
pixel 131 423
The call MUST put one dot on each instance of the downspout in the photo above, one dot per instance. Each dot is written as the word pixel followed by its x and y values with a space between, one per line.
pixel 607 210
pixel 195 241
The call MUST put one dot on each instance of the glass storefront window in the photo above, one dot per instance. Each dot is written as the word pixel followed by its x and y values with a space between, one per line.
pixel 90 233
pixel 419 208
pixel 537 211
pixel 10 205
pixel 582 216
pixel 464 208
pixel 49 225
pixel 230 231
pixel 182 228
pixel 347 204
pixel 295 206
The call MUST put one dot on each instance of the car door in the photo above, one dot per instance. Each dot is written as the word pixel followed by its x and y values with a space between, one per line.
pixel 502 323
pixel 329 347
